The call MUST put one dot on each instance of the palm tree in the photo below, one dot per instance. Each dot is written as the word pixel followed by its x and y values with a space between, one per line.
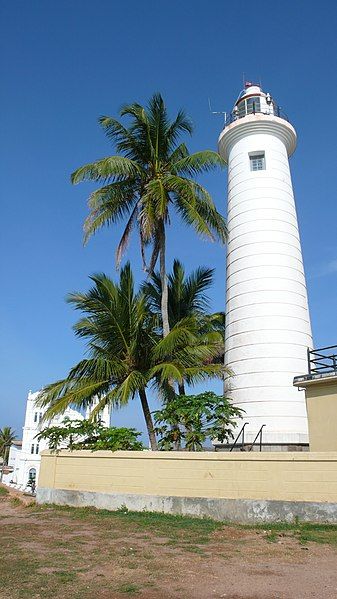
pixel 186 294
pixel 152 174
pixel 7 436
pixel 187 297
pixel 127 352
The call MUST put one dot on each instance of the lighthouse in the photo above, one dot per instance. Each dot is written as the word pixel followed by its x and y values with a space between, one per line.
pixel 267 317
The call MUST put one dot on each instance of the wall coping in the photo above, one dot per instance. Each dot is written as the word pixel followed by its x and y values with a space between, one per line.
pixel 312 382
pixel 270 456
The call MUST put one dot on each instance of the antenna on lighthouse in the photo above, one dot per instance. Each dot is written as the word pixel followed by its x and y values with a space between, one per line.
pixel 217 112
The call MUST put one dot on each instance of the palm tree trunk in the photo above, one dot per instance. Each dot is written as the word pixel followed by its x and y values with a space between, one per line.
pixel 148 420
pixel 164 286
pixel 164 305
pixel 181 388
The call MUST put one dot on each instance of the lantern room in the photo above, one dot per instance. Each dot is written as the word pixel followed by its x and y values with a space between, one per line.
pixel 252 100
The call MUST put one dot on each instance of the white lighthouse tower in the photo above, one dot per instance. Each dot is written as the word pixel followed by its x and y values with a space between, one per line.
pixel 267 318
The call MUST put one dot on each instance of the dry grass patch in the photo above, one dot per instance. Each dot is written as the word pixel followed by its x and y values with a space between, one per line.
pixel 57 552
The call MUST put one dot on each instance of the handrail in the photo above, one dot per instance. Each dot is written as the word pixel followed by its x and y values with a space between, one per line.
pixel 242 431
pixel 318 362
pixel 276 111
pixel 259 433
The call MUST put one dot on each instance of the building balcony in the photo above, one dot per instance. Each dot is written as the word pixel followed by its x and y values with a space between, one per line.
pixel 322 364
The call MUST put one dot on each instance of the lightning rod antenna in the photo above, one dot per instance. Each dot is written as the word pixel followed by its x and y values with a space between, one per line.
pixel 216 112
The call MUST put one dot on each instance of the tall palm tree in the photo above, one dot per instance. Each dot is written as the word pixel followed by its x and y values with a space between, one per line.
pixel 7 436
pixel 152 174
pixel 187 297
pixel 126 352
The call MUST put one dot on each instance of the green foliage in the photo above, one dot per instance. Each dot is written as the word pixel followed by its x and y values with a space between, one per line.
pixel 187 295
pixel 188 420
pixel 88 434
pixel 152 171
pixel 7 436
pixel 187 298
pixel 126 351
pixel 152 175
pixel 115 439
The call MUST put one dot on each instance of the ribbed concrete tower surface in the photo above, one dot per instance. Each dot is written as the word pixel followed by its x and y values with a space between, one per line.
pixel 267 318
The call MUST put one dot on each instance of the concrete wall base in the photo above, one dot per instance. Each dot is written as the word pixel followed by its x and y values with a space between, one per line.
pixel 246 511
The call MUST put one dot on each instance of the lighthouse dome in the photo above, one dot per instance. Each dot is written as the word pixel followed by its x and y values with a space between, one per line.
pixel 251 89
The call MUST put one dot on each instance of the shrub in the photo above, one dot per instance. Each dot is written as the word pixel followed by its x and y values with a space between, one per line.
pixel 93 435
pixel 188 420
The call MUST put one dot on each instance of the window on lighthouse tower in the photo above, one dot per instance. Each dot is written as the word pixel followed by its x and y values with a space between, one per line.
pixel 257 161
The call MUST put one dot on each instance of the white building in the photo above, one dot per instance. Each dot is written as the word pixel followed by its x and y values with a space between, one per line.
pixel 267 318
pixel 24 457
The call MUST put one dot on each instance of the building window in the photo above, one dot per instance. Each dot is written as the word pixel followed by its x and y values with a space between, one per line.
pixel 37 448
pixel 40 416
pixel 32 474
pixel 257 162
pixel 248 106
pixel 32 448
pixel 253 105
pixel 35 417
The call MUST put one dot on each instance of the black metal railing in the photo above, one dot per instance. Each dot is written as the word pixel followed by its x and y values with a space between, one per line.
pixel 322 360
pixel 241 434
pixel 240 443
pixel 236 116
pixel 258 436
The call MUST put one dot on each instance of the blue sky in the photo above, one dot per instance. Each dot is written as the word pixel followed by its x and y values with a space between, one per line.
pixel 64 63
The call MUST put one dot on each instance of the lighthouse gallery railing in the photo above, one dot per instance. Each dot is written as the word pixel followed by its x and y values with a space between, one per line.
pixel 235 116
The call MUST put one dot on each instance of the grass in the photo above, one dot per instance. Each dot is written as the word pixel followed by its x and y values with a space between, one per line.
pixel 177 529
pixel 304 532
pixel 128 588
pixel 3 490
pixel 16 501
pixel 60 551
pixel 185 530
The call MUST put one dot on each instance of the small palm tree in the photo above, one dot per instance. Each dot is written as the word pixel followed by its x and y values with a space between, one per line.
pixel 186 294
pixel 127 352
pixel 152 174
pixel 7 436
pixel 187 297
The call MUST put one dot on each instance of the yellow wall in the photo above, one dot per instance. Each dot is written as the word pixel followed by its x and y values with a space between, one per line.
pixel 274 476
pixel 322 415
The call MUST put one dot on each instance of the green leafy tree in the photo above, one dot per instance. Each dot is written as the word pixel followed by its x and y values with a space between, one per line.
pixel 126 353
pixel 152 174
pixel 188 420
pixel 88 434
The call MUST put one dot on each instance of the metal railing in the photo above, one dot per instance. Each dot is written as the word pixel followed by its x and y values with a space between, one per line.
pixel 241 434
pixel 241 442
pixel 259 434
pixel 322 360
pixel 235 116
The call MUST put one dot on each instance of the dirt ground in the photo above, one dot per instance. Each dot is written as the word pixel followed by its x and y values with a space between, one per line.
pixel 67 553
